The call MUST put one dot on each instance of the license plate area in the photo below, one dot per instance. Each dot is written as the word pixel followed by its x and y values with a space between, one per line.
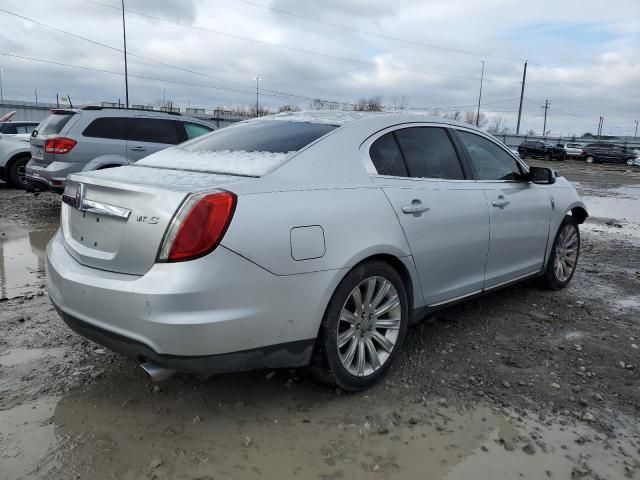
pixel 94 232
pixel 37 153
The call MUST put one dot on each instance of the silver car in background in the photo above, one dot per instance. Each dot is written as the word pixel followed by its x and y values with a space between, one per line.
pixel 74 140
pixel 303 239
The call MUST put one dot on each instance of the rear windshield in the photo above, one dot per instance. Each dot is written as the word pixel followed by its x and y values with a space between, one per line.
pixel 274 136
pixel 54 123
pixel 252 148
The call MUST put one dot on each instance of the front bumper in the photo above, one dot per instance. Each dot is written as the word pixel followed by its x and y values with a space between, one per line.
pixel 187 315
pixel 49 176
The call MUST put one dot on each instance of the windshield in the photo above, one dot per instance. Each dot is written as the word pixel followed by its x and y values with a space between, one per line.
pixel 251 148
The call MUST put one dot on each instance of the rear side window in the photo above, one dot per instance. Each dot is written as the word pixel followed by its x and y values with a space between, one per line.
pixel 195 130
pixel 387 158
pixel 107 127
pixel 54 123
pixel 153 130
pixel 489 160
pixel 429 153
pixel 274 136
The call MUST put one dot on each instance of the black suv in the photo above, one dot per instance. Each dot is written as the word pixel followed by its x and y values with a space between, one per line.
pixel 607 153
pixel 536 148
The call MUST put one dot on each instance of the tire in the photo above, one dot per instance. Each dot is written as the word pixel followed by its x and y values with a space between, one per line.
pixel 559 271
pixel 16 171
pixel 590 159
pixel 330 362
pixel 630 162
pixel 547 156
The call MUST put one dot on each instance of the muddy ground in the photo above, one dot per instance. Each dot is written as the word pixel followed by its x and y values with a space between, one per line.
pixel 522 383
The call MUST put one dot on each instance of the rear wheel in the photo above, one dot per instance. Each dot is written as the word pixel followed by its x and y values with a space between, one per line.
pixel 17 170
pixel 363 328
pixel 564 255
pixel 590 159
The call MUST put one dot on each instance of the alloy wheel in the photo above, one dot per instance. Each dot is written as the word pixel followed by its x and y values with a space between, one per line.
pixel 566 254
pixel 22 170
pixel 369 326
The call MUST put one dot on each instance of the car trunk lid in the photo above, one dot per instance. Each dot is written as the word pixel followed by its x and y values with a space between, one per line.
pixel 115 219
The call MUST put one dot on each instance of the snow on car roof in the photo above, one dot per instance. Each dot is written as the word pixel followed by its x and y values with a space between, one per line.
pixel 329 117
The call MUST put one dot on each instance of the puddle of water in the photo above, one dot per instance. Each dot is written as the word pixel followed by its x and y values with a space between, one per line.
pixel 26 436
pixel 621 205
pixel 21 258
pixel 18 356
pixel 135 438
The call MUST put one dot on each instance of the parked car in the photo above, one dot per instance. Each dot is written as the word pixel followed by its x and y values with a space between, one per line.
pixel 17 127
pixel 536 148
pixel 303 239
pixel 572 150
pixel 608 153
pixel 95 138
pixel 14 154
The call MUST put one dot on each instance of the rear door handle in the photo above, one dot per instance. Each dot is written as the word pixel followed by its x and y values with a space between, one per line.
pixel 416 208
pixel 138 149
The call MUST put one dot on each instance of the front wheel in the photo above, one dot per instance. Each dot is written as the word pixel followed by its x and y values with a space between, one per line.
pixel 564 255
pixel 363 327
pixel 590 159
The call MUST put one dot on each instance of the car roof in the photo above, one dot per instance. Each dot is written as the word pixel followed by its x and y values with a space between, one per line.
pixel 341 118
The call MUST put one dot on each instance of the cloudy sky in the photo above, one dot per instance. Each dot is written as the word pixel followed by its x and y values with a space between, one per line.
pixel 584 55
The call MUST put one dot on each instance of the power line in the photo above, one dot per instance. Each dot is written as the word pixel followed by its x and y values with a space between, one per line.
pixel 129 53
pixel 296 49
pixel 374 34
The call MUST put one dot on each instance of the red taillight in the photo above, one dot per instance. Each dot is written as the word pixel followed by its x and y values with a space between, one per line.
pixel 198 226
pixel 59 145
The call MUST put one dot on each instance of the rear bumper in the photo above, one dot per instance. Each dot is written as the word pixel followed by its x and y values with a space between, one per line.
pixel 51 176
pixel 289 354
pixel 185 315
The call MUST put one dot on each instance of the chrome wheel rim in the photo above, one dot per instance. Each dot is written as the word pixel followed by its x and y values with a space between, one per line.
pixel 369 326
pixel 566 253
pixel 589 159
pixel 630 162
pixel 21 171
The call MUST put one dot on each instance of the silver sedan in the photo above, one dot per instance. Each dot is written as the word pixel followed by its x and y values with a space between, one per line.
pixel 303 239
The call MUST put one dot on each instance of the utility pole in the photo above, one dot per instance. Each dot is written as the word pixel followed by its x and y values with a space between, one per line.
pixel 546 107
pixel 36 93
pixel 1 93
pixel 126 74
pixel 524 79
pixel 164 97
pixel 635 135
pixel 600 124
pixel 480 96
pixel 257 79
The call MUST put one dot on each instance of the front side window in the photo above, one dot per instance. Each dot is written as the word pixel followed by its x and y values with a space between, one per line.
pixel 429 153
pixel 387 158
pixel 153 130
pixel 490 162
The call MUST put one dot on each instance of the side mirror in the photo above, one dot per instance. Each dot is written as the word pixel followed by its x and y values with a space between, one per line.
pixel 541 175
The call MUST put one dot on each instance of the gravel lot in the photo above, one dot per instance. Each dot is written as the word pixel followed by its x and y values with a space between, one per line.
pixel 522 383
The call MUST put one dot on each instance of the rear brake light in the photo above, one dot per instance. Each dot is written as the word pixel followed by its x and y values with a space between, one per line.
pixel 198 227
pixel 59 145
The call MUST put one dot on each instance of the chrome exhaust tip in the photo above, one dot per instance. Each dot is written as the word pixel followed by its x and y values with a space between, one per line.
pixel 156 372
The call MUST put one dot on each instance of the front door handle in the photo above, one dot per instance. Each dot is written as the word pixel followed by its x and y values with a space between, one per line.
pixel 500 202
pixel 138 149
pixel 416 208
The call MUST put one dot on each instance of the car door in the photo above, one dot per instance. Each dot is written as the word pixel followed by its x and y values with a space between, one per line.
pixel 150 135
pixel 444 215
pixel 519 211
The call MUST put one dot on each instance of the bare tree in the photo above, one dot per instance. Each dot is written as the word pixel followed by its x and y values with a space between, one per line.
pixel 399 103
pixel 372 104
pixel 453 115
pixel 498 126
pixel 470 118
pixel 289 107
